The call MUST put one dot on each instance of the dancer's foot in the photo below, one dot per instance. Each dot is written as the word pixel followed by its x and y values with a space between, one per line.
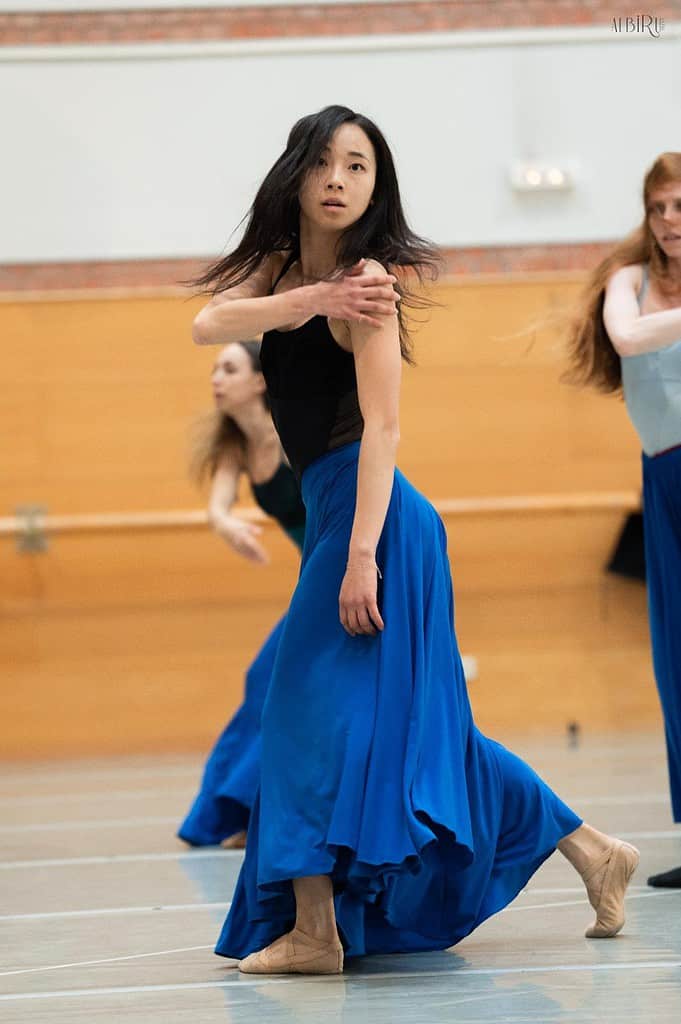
pixel 606 879
pixel 667 880
pixel 235 842
pixel 296 953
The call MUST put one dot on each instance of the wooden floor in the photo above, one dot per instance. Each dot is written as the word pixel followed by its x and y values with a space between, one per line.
pixel 105 915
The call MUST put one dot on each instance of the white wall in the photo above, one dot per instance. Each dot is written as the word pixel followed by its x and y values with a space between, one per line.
pixel 150 151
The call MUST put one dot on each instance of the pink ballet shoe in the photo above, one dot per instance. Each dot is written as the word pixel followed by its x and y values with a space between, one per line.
pixel 620 861
pixel 296 953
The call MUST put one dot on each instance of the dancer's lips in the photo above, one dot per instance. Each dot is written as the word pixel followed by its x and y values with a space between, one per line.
pixel 671 238
pixel 333 203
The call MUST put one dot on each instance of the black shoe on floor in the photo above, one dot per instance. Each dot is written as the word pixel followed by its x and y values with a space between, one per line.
pixel 667 880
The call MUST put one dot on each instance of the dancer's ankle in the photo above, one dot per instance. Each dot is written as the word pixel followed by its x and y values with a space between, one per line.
pixel 323 932
pixel 315 916
pixel 583 845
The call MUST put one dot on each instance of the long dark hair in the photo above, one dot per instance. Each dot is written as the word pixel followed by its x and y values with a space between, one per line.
pixel 593 359
pixel 381 233
pixel 217 434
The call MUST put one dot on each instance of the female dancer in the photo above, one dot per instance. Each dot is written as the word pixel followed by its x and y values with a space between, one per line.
pixel 383 816
pixel 241 439
pixel 627 336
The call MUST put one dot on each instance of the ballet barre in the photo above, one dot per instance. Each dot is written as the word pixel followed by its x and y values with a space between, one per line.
pixel 588 501
pixel 32 524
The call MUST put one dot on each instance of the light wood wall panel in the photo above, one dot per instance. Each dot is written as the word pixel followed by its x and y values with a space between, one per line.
pixel 139 641
pixel 167 676
pixel 510 552
pixel 102 392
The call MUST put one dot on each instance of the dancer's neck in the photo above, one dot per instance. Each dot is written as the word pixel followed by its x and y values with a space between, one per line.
pixel 318 252
pixel 255 423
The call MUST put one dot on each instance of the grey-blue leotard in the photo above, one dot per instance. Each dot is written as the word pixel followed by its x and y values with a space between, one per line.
pixel 652 392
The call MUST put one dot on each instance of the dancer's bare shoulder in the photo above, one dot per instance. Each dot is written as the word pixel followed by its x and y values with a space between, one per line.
pixel 629 277
pixel 341 330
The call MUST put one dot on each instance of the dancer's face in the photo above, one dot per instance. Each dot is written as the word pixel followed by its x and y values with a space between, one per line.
pixel 235 383
pixel 338 191
pixel 664 218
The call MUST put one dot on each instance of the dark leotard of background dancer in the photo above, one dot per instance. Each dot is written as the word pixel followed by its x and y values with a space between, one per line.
pixel 385 821
pixel 240 439
pixel 627 337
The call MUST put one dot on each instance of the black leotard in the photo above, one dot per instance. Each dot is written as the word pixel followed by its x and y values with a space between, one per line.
pixel 280 498
pixel 312 389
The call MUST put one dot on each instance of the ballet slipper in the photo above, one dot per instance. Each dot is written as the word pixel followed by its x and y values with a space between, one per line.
pixel 235 842
pixel 296 953
pixel 620 861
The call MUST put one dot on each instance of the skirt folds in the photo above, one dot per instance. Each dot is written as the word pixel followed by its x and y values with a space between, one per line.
pixel 373 771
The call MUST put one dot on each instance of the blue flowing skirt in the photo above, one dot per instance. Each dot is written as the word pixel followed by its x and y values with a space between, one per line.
pixel 232 773
pixel 373 771
pixel 662 531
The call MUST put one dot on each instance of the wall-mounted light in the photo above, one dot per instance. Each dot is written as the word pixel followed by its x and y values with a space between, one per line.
pixel 540 176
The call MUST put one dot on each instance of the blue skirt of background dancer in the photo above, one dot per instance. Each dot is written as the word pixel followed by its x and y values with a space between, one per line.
pixel 232 773
pixel 373 771
pixel 662 532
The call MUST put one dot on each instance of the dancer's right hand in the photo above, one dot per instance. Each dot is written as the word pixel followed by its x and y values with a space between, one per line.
pixel 361 295
pixel 243 538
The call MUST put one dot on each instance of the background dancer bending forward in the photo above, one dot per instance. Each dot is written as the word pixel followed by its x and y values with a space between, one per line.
pixel 385 822
pixel 241 438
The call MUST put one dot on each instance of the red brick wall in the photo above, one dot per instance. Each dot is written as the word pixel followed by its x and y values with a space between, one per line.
pixel 517 259
pixel 311 20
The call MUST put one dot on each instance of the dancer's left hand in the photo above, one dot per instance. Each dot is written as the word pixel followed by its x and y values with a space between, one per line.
pixel 357 601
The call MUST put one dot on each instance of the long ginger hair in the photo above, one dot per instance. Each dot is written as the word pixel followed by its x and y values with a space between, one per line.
pixel 593 357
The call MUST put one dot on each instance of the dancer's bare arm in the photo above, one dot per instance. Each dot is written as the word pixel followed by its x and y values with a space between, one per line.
pixel 250 309
pixel 378 365
pixel 240 535
pixel 631 333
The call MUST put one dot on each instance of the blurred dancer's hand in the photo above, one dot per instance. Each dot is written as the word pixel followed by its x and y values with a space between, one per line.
pixel 243 538
pixel 357 601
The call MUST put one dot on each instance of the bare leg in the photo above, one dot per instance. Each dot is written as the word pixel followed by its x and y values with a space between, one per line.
pixel 313 947
pixel 606 866
pixel 235 842
pixel 315 915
